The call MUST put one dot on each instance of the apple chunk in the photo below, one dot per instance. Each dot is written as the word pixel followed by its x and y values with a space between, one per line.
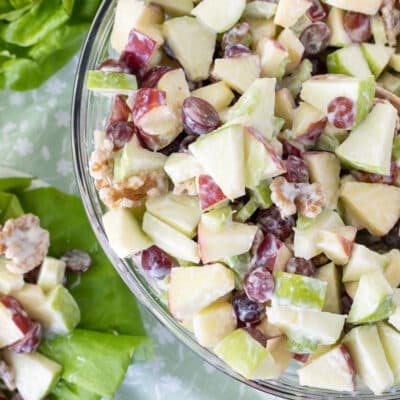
pixel 274 57
pixel 294 47
pixel 330 274
pixel 174 84
pixel 392 270
pixel 369 7
pixel 210 194
pixel 193 288
pixel 182 166
pixel 218 94
pixel 390 339
pixel 289 11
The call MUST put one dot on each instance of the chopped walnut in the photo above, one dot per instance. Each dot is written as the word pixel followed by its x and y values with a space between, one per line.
pixel 391 21
pixel 24 243
pixel 308 199
pixel 7 375
pixel 186 187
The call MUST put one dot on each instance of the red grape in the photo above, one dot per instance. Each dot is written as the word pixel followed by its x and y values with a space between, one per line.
pixel 315 38
pixel 151 77
pixel 112 65
pixel 271 221
pixel 357 26
pixel 246 310
pixel 376 178
pixel 120 133
pixel 32 276
pixel 77 260
pixel 174 146
pixel 317 11
pixel 266 253
pixel 301 358
pixel 236 50
pixel 297 170
pixel 392 239
pixel 300 266
pixel 18 314
pixel 256 335
pixel 240 33
pixel 259 285
pixel 7 375
pixel 342 112
pixel 318 66
pixel 189 139
pixel 347 302
pixel 157 262
pixel 2 396
pixel 199 116
pixel 30 342
pixel 292 148
pixel 120 111
pixel 314 131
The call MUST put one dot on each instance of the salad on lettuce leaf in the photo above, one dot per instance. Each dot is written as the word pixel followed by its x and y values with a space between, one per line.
pixel 59 318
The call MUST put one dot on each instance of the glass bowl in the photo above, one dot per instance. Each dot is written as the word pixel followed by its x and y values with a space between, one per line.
pixel 88 113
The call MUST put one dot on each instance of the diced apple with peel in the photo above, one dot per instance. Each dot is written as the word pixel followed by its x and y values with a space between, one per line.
pixel 274 58
pixel 210 194
pixel 363 261
pixel 369 146
pixel 180 212
pixel 315 325
pixel 219 15
pixel 111 83
pixel 9 281
pixel 195 56
pixel 294 47
pixel 221 155
pixel 392 270
pixel 124 232
pixel 373 300
pixel 175 7
pixel 174 84
pixel 261 161
pixel 333 370
pixel 214 323
pixel 377 56
pixel 51 273
pixel 255 107
pixel 169 239
pixel 337 243
pixel 238 73
pixel 285 106
pixel 182 166
pixel 300 291
pixel 217 219
pixel 307 231
pixel 390 339
pixel 234 239
pixel 35 374
pixel 218 94
pixel 193 288
pixel 324 168
pixel 135 14
pixel 369 358
pixel 158 124
pixel 290 11
pixel 369 7
pixel 339 36
pixel 260 27
pixel 319 91
pixel 329 273
pixel 375 206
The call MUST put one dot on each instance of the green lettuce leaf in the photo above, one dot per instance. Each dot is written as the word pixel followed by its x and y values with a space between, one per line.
pixel 10 183
pixel 68 391
pixel 10 207
pixel 96 362
pixel 96 290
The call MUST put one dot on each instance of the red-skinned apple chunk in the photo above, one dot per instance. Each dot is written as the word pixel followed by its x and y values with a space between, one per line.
pixel 210 194
pixel 157 124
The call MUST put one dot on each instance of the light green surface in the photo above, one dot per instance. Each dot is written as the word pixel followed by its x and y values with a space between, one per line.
pixel 35 137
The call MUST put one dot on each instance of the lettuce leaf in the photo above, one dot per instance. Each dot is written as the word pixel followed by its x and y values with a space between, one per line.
pixel 68 391
pixel 10 207
pixel 96 362
pixel 15 183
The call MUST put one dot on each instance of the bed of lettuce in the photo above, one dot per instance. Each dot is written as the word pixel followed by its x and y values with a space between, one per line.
pixel 37 37
pixel 96 355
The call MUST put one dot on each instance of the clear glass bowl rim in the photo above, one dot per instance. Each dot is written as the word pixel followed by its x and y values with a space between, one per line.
pixel 91 53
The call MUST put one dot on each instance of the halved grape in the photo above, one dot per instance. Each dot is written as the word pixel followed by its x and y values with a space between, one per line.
pixel 297 170
pixel 270 220
pixel 259 284
pixel 120 133
pixel 317 11
pixel 236 50
pixel 77 260
pixel 300 266
pixel 157 262
pixel 315 38
pixel 151 77
pixel 342 112
pixel 246 310
pixel 357 26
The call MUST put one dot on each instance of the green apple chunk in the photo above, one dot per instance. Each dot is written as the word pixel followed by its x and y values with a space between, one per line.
pixel 289 11
pixel 9 281
pixel 193 288
pixel 294 47
pixel 369 7
pixel 51 273
pixel 378 29
pixel 375 206
pixel 219 15
pixel 261 160
pixel 373 300
pixel 170 240
pixel 259 9
pixel 324 168
pixel 255 108
pixel 238 73
pixel 218 94
pixel 300 344
pixel 124 232
pixel 363 261
pixel 348 61
pixel 247 210
pixel 213 323
pixel 307 231
pixel 299 290
pixel 175 7
pixel 217 219
pixel 35 374
pixel 181 212
pixel 394 62
pixel 390 82
pixel 329 273
pixel 221 154
pixel 194 56
pixel 316 326
pixel 369 358
pixel 107 82
pixel 339 36
pixel 182 166
pixel 392 270
pixel 394 319
pixel 369 146
pixel 377 56
pixel 232 240
pixel 274 57
pixel 390 339
pixel 332 370
pixel 321 91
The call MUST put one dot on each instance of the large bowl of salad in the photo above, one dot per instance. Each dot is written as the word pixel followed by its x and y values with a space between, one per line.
pixel 239 163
